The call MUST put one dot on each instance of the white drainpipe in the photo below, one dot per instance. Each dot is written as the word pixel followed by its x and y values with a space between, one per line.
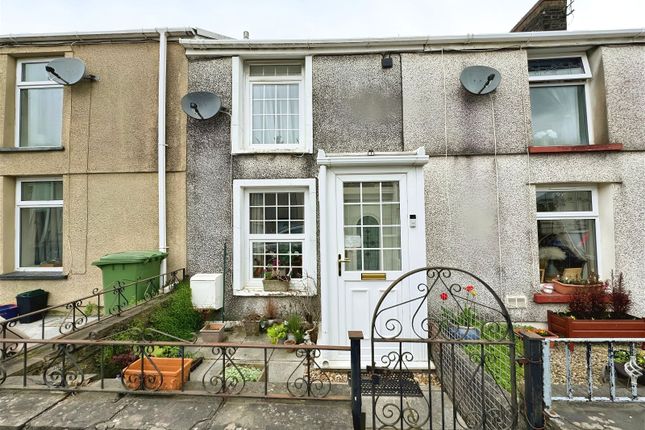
pixel 161 145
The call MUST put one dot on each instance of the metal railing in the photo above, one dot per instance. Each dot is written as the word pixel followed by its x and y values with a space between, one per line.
pixel 600 380
pixel 76 316
pixel 217 369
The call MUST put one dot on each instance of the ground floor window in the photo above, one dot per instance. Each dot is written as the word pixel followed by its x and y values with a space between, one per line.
pixel 39 224
pixel 567 232
pixel 275 230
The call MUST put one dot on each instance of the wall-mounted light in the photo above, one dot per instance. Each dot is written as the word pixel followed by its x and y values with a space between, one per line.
pixel 386 61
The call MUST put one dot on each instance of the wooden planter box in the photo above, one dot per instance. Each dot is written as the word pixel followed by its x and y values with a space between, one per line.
pixel 561 288
pixel 169 380
pixel 275 285
pixel 565 326
pixel 549 334
pixel 213 332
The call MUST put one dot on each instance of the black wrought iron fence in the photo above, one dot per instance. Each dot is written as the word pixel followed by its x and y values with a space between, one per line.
pixel 173 367
pixel 75 313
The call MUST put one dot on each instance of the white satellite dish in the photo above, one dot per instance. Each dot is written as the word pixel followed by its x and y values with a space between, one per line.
pixel 480 79
pixel 67 71
pixel 201 104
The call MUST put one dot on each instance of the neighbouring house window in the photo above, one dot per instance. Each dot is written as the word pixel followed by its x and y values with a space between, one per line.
pixel 39 224
pixel 567 232
pixel 275 228
pixel 559 100
pixel 271 107
pixel 39 106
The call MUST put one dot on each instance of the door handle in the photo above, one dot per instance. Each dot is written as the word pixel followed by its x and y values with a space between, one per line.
pixel 341 260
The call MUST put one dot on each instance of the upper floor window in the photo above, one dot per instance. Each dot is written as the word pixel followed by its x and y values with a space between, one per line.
pixel 39 224
pixel 559 100
pixel 39 106
pixel 568 225
pixel 271 109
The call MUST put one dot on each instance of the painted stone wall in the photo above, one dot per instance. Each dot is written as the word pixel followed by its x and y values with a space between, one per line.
pixel 480 182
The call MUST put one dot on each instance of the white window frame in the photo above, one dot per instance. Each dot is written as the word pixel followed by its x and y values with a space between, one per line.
pixel 593 214
pixel 243 282
pixel 580 79
pixel 241 107
pixel 28 85
pixel 20 204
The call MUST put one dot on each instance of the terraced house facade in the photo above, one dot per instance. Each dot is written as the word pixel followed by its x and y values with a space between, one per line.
pixel 79 164
pixel 346 163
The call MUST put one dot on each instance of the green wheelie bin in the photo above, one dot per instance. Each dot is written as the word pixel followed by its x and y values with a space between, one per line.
pixel 129 267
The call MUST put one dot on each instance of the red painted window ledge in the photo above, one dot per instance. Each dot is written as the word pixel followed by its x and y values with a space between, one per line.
pixel 544 298
pixel 575 148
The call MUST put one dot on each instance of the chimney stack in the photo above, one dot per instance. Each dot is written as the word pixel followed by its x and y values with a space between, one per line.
pixel 545 15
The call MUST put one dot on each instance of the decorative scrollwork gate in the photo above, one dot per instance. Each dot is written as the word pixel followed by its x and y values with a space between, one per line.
pixel 458 326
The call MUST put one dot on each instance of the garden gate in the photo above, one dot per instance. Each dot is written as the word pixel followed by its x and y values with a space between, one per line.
pixel 467 333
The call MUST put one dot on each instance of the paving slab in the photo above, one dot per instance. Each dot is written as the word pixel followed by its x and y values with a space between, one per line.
pixel 157 412
pixel 17 408
pixel 247 414
pixel 597 416
pixel 81 411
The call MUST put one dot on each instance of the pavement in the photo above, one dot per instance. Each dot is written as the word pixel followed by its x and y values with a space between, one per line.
pixel 101 411
pixel 597 416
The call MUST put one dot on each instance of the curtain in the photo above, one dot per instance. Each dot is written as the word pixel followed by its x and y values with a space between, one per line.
pixel 558 115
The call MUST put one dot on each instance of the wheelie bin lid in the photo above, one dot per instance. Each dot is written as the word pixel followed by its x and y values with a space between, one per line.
pixel 130 257
pixel 32 293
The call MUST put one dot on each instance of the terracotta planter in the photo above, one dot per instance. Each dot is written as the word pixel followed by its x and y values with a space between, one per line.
pixel 275 285
pixel 213 332
pixel 566 326
pixel 561 288
pixel 165 377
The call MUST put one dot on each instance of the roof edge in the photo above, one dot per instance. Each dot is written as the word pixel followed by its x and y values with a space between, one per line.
pixel 174 33
pixel 514 39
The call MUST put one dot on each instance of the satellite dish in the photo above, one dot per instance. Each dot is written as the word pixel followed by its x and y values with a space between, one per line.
pixel 201 104
pixel 480 79
pixel 67 71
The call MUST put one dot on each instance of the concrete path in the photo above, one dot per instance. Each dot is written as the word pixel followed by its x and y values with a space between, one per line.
pixel 597 416
pixel 101 411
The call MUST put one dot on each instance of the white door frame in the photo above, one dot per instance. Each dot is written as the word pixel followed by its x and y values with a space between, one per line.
pixel 331 165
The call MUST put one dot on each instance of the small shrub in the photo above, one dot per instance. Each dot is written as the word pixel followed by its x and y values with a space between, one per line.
pixel 176 316
pixel 591 304
pixel 248 373
pixel 621 301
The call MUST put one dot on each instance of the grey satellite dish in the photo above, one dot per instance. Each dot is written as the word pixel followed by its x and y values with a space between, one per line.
pixel 201 104
pixel 67 71
pixel 480 79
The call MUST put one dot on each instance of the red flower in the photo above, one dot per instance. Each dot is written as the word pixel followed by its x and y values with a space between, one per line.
pixel 444 296
pixel 469 288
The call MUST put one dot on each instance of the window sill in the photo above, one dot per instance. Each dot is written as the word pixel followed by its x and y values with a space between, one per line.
pixel 259 292
pixel 551 298
pixel 32 149
pixel 575 148
pixel 33 276
pixel 273 150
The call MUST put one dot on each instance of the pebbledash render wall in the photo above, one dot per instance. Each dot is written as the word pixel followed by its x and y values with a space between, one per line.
pixel 480 181
pixel 108 162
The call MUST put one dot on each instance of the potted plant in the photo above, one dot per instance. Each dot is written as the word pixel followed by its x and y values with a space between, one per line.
pixel 565 285
pixel 598 313
pixel 252 324
pixel 277 333
pixel 276 280
pixel 463 324
pixel 213 332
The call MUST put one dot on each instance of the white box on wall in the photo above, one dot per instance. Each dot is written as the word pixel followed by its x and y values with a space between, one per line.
pixel 207 290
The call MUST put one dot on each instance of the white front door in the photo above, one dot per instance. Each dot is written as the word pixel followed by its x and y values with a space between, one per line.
pixel 375 234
